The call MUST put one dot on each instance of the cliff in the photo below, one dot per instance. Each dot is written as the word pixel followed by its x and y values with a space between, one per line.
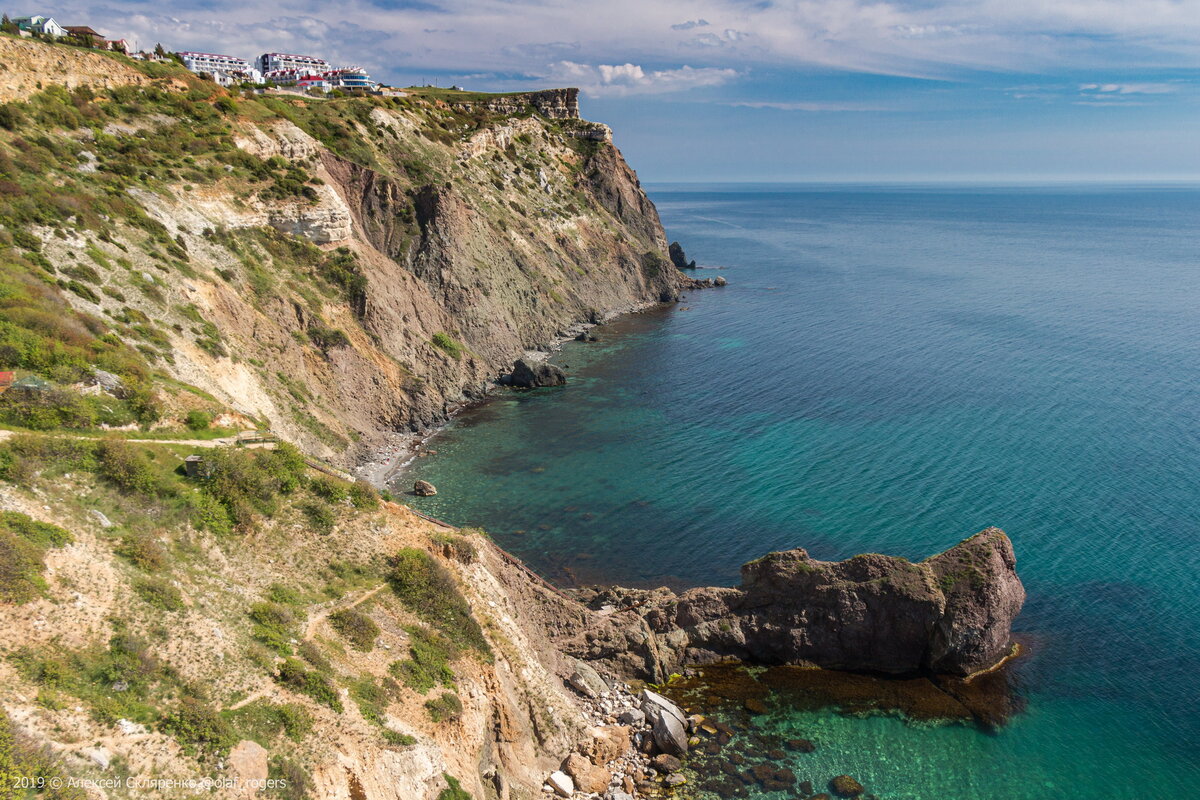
pixel 389 256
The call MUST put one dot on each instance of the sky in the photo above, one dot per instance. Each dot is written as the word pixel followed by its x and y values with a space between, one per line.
pixel 1021 91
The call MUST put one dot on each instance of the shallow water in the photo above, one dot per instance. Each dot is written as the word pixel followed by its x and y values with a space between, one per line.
pixel 892 370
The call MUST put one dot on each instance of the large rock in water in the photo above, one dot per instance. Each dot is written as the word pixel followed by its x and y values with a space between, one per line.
pixel 951 613
pixel 532 376
pixel 424 489
pixel 679 258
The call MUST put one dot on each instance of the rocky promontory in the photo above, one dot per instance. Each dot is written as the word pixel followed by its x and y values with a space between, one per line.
pixel 949 614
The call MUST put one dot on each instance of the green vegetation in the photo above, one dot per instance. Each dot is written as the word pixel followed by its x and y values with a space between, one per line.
pixel 200 729
pixel 22 758
pixel 293 675
pixel 274 626
pixel 23 545
pixel 198 420
pixel 429 661
pixel 159 593
pixel 357 628
pixel 443 342
pixel 430 591
pixel 264 721
pixel 454 790
pixel 444 708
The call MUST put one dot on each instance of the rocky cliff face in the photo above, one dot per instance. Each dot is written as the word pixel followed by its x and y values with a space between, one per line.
pixel 951 613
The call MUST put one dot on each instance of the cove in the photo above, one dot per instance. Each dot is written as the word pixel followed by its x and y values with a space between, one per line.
pixel 890 370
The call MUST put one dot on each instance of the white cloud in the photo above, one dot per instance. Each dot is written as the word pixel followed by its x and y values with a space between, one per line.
pixel 625 79
pixel 811 107
pixel 1129 88
pixel 691 23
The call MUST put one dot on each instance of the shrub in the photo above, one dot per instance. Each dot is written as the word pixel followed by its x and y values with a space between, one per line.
pixel 274 626
pixel 358 629
pixel 328 338
pixel 198 728
pixel 444 708
pixel 320 516
pixel 445 343
pixel 42 534
pixel 294 676
pixel 363 495
pixel 371 698
pixel 454 790
pixel 397 739
pixel 311 653
pixel 334 491
pixel 428 665
pixel 430 591
pixel 263 720
pixel 143 551
pixel 128 467
pixel 198 420
pixel 159 593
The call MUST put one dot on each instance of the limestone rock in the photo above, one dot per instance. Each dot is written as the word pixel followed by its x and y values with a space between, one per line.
pixel 719 280
pixel 588 777
pixel 248 762
pixel 632 716
pixel 679 258
pixel 424 489
pixel 561 783
pixel 605 744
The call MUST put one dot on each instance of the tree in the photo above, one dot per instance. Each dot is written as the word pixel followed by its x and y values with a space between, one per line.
pixel 8 26
pixel 159 51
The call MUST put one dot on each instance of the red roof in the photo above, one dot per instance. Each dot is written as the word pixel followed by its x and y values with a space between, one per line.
pixel 6 378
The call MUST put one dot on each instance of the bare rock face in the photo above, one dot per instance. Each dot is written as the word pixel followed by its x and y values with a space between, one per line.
pixel 588 777
pixel 951 613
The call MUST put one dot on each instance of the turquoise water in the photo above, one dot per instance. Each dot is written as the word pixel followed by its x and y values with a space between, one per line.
pixel 892 370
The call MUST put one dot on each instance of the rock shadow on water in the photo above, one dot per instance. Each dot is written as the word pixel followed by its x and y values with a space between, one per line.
pixel 988 700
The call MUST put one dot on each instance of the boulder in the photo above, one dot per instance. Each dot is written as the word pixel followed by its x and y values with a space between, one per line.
pixel 666 763
pixel 632 716
pixel 605 744
pixel 561 783
pixel 587 681
pixel 668 724
pixel 538 374
pixel 248 763
pixel 424 489
pixel 108 382
pixel 586 336
pixel 845 786
pixel 719 281
pixel 587 777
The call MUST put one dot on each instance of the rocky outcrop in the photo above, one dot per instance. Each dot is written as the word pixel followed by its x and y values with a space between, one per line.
pixel 951 613
pixel 526 375
pixel 550 103
pixel 679 258
pixel 424 489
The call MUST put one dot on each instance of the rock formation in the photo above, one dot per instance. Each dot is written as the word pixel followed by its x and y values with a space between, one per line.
pixel 679 258
pixel 526 375
pixel 951 613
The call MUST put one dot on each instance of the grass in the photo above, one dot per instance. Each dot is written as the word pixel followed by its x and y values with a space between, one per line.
pixel 159 593
pixel 275 625
pixel 22 758
pixel 23 545
pixel 453 790
pixel 201 730
pixel 431 592
pixel 263 721
pixel 445 343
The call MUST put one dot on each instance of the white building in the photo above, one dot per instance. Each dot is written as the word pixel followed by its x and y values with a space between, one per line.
pixel 280 62
pixel 225 70
pixel 42 24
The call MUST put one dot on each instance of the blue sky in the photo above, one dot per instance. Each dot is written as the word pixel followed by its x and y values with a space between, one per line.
pixel 802 90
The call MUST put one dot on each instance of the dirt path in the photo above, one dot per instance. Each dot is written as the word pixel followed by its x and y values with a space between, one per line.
pixel 310 629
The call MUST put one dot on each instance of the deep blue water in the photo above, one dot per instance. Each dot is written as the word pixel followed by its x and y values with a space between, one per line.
pixel 893 370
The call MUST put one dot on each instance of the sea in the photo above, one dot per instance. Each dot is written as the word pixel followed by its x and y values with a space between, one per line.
pixel 892 369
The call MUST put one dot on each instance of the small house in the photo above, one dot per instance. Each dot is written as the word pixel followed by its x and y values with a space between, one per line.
pixel 85 34
pixel 39 23
pixel 193 466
